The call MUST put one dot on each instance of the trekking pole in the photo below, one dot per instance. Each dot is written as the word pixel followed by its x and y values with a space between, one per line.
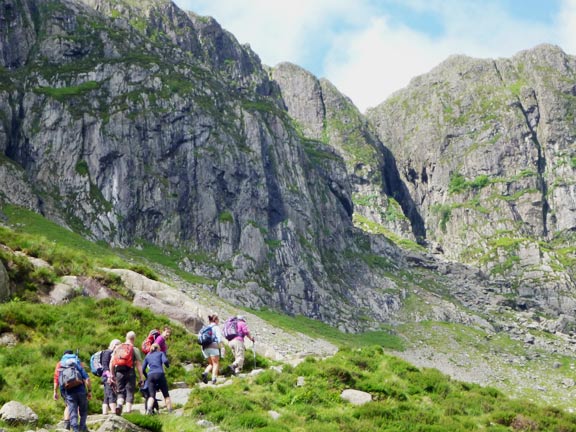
pixel 254 352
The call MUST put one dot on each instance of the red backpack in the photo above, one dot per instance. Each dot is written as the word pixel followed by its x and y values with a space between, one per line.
pixel 147 343
pixel 124 355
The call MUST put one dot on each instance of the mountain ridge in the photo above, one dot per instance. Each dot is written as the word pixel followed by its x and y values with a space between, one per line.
pixel 137 123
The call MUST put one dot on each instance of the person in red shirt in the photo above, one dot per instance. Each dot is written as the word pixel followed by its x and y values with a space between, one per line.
pixel 57 392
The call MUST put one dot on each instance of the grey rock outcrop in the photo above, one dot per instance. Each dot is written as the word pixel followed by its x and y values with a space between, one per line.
pixel 381 201
pixel 137 123
pixel 486 149
pixel 110 423
pixel 172 133
pixel 15 412
pixel 4 283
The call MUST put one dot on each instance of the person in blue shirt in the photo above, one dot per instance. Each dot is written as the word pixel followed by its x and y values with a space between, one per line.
pixel 76 397
pixel 155 362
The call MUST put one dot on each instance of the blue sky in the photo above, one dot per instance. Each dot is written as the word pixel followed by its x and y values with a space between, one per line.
pixel 371 48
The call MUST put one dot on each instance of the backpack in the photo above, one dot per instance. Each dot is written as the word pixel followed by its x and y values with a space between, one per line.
pixel 231 328
pixel 206 336
pixel 124 355
pixel 96 366
pixel 147 343
pixel 69 375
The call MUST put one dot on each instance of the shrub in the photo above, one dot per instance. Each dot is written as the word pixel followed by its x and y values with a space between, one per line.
pixel 147 422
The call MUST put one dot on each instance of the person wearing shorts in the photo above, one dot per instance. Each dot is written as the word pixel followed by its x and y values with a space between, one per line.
pixel 214 351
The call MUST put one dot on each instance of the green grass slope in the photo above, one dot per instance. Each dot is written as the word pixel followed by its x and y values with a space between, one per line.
pixel 305 397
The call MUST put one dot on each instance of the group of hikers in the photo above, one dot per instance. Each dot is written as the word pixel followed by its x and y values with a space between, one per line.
pixel 122 362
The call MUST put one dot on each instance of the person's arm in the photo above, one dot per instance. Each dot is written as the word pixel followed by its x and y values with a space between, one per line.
pixel 86 379
pixel 56 376
pixel 138 363
pixel 220 337
pixel 165 360
pixel 144 367
pixel 244 331
pixel 88 384
pixel 113 365
pixel 249 334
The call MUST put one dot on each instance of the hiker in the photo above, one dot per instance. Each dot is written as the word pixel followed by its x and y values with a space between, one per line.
pixel 161 340
pixel 76 389
pixel 237 345
pixel 213 350
pixel 150 339
pixel 156 360
pixel 125 363
pixel 58 390
pixel 110 397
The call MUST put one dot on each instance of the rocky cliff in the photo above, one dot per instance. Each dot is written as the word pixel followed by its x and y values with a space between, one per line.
pixel 487 150
pixel 137 123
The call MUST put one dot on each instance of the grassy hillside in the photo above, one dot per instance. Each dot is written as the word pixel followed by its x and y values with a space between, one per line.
pixel 305 397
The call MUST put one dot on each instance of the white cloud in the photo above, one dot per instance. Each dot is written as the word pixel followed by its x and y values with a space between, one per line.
pixel 365 52
pixel 277 30
pixel 370 64
pixel 566 26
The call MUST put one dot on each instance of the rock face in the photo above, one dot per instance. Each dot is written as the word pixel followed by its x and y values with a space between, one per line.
pixel 486 148
pixel 382 203
pixel 137 123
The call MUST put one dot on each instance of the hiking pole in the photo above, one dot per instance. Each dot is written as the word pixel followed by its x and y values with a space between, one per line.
pixel 254 352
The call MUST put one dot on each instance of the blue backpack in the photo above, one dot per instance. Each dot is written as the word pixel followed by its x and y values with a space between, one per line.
pixel 69 375
pixel 206 336
pixel 96 364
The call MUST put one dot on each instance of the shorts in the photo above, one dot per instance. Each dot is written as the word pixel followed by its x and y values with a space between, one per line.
pixel 211 352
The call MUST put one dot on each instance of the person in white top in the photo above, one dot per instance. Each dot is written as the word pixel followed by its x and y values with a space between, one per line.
pixel 214 351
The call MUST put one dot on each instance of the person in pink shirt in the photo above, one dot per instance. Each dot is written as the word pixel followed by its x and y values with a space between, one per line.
pixel 237 345
pixel 161 340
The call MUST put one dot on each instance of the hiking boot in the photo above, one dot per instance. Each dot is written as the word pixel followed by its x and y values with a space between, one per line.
pixel 214 381
pixel 119 410
pixel 67 424
pixel 232 369
pixel 205 377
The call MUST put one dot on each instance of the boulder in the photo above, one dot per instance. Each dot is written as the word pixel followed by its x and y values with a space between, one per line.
pixel 8 339
pixel 15 412
pixel 111 423
pixel 356 397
